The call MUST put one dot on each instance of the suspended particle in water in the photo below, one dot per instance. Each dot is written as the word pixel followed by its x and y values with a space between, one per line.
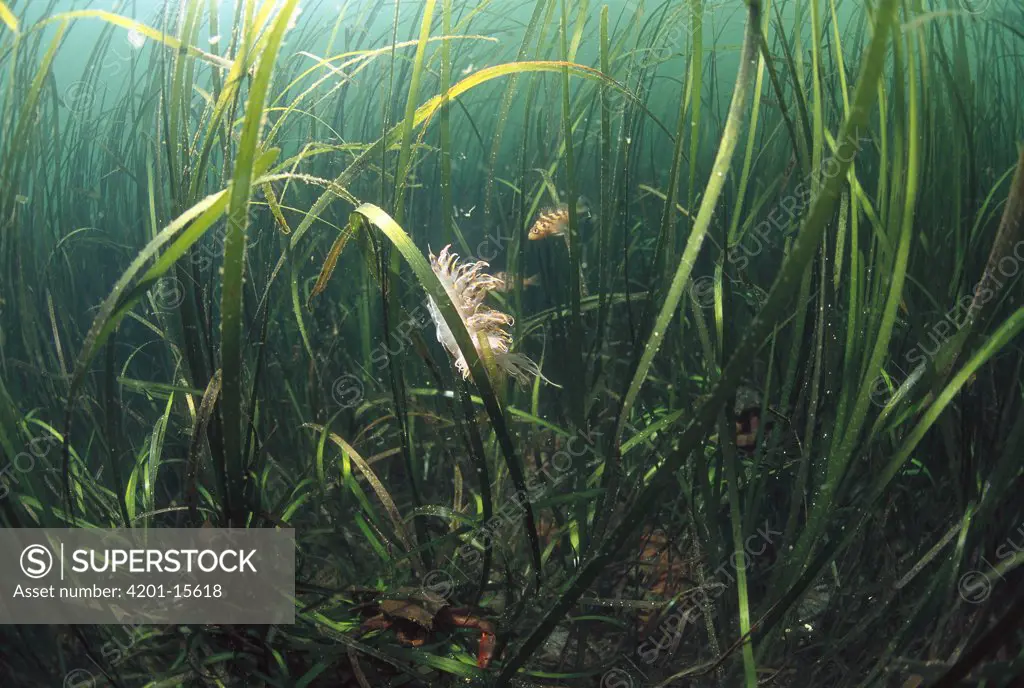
pixel 136 39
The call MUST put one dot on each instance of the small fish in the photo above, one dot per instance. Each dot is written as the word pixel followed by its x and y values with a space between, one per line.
pixel 89 193
pixel 555 221
pixel 747 424
pixel 508 282
pixel 21 200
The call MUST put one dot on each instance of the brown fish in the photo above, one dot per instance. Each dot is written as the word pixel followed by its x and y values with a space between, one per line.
pixel 747 424
pixel 508 282
pixel 555 221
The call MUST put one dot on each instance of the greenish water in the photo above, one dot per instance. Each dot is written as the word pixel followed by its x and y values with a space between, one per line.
pixel 734 397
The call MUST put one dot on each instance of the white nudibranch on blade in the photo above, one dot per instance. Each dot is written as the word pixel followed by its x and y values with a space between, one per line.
pixel 467 285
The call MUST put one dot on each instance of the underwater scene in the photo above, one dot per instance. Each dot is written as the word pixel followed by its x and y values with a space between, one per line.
pixel 611 343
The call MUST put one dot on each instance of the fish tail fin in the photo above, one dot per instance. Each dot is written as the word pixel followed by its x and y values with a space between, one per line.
pixel 584 208
pixel 531 281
